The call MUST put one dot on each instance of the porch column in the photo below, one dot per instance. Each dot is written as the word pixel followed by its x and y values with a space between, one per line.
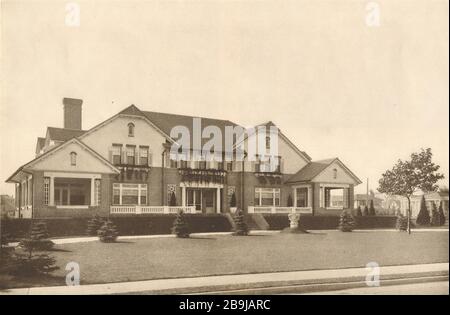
pixel 92 191
pixel 183 196
pixel 218 201
pixel 51 202
pixel 295 198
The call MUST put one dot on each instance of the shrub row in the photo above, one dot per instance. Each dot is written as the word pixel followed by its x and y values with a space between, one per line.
pixel 144 225
pixel 278 222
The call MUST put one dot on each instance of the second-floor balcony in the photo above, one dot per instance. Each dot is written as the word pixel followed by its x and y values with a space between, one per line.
pixel 215 176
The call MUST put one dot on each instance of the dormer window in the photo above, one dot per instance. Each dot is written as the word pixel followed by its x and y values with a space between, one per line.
pixel 73 158
pixel 130 130
pixel 334 173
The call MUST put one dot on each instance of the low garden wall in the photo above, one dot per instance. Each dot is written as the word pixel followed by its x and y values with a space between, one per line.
pixel 279 222
pixel 135 225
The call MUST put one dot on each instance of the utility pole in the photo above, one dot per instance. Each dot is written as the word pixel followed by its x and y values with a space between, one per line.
pixel 367 192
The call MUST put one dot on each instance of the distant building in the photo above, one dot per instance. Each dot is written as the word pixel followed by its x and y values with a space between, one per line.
pixel 395 204
pixel 361 200
pixel 7 206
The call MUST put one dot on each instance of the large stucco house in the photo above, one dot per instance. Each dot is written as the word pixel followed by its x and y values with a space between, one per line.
pixel 123 166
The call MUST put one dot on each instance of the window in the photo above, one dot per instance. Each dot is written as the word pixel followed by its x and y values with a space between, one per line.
pixel 173 163
pixel 97 192
pixel 130 154
pixel 268 143
pixel 334 173
pixel 129 194
pixel 73 158
pixel 130 130
pixel 229 166
pixel 267 196
pixel 72 192
pixel 46 190
pixel 116 154
pixel 302 197
pixel 183 164
pixel 143 155
pixel 220 165
pixel 202 165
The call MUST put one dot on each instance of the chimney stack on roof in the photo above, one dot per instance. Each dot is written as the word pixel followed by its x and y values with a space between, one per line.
pixel 72 113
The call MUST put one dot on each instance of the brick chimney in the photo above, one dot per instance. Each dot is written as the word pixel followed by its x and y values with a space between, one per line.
pixel 72 113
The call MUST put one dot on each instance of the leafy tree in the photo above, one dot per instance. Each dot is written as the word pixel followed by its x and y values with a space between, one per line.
pixel 108 232
pixel 233 200
pixel 173 200
pixel 180 227
pixel 371 208
pixel 359 212
pixel 366 210
pixel 241 228
pixel 409 176
pixel 435 217
pixel 423 218
pixel 94 225
pixel 441 213
pixel 289 201
pixel 346 222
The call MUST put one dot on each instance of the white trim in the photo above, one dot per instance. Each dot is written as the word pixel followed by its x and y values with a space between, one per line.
pixel 309 187
pixel 201 185
pixel 72 175
pixel 72 207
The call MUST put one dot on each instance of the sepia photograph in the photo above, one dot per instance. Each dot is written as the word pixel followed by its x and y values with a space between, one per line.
pixel 251 148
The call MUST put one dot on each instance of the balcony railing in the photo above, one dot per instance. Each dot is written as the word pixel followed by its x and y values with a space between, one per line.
pixel 202 175
pixel 135 209
pixel 279 210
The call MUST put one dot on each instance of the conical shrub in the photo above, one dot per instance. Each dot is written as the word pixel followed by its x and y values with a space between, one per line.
pixel 108 232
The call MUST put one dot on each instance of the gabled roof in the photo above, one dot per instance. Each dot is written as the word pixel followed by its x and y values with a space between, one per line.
pixel 54 149
pixel 63 134
pixel 269 124
pixel 40 144
pixel 310 170
pixel 314 168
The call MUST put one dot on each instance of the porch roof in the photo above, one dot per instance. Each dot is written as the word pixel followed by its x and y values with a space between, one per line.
pixel 314 168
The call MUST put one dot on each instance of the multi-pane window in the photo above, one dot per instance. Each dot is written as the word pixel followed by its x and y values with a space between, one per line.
pixel 97 192
pixel 230 166
pixel 302 197
pixel 143 155
pixel 130 154
pixel 116 154
pixel 267 196
pixel 129 194
pixel 183 164
pixel 46 190
pixel 202 165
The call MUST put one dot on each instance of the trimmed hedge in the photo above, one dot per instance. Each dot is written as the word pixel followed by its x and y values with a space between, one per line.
pixel 136 225
pixel 279 222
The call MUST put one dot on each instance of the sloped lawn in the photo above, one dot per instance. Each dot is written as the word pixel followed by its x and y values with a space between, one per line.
pixel 143 259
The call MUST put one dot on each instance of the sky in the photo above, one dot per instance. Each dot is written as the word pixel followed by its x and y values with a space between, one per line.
pixel 335 82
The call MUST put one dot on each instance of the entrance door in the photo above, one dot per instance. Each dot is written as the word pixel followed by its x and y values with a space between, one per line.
pixel 208 200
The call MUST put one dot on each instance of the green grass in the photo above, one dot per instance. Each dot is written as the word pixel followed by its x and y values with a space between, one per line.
pixel 143 259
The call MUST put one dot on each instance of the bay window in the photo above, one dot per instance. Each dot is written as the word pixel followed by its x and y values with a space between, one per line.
pixel 267 196
pixel 129 194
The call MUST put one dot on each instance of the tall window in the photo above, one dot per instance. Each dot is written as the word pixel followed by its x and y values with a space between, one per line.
pixel 183 164
pixel 143 155
pixel 46 190
pixel 302 197
pixel 334 173
pixel 268 143
pixel 130 154
pixel 202 165
pixel 229 166
pixel 267 196
pixel 73 158
pixel 130 130
pixel 129 194
pixel 116 154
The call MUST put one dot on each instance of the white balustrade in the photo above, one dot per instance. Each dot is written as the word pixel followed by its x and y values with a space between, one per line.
pixel 136 209
pixel 278 209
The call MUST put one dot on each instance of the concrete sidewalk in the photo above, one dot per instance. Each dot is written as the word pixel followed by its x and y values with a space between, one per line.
pixel 240 282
